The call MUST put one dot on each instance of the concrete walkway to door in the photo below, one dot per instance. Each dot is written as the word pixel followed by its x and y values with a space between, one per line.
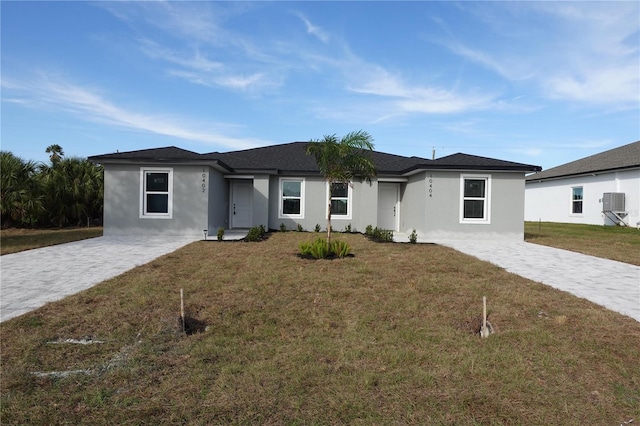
pixel 32 278
pixel 614 285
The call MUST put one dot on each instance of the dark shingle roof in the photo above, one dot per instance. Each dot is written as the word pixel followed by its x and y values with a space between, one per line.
pixel 474 162
pixel 292 158
pixel 289 157
pixel 624 157
pixel 154 154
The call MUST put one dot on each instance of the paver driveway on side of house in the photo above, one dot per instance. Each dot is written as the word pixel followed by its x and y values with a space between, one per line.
pixel 32 278
pixel 614 285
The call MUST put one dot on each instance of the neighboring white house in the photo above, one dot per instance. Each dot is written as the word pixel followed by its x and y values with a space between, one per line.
pixel 603 189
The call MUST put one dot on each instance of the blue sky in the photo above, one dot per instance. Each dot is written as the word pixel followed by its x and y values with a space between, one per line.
pixel 540 83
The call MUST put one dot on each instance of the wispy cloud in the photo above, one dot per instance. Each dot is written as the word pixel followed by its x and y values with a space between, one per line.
pixel 199 29
pixel 314 30
pixel 587 53
pixel 197 68
pixel 196 61
pixel 395 96
pixel 91 105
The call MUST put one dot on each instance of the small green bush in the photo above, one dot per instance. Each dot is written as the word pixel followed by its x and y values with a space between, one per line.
pixel 300 228
pixel 256 233
pixel 379 235
pixel 283 227
pixel 320 249
pixel 317 228
pixel 347 229
pixel 368 231
pixel 220 234
pixel 413 237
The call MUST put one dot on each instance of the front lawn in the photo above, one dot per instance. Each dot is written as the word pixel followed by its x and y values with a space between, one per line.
pixel 384 337
pixel 14 240
pixel 609 242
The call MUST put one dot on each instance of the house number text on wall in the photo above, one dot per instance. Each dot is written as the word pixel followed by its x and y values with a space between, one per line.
pixel 430 185
pixel 204 181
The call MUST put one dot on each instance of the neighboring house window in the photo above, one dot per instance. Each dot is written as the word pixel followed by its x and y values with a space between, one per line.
pixel 156 193
pixel 475 206
pixel 576 200
pixel 291 198
pixel 340 199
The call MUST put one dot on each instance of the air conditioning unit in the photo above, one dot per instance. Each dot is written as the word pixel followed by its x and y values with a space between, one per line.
pixel 613 202
pixel 613 208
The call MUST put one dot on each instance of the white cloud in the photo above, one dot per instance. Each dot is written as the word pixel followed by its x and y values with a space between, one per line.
pixel 313 29
pixel 197 61
pixel 372 79
pixel 584 53
pixel 89 104
pixel 605 85
pixel 197 68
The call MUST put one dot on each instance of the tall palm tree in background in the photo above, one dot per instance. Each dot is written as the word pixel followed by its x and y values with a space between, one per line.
pixel 55 153
pixel 340 161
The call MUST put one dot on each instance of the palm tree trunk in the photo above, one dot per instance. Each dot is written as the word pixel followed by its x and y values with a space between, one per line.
pixel 329 225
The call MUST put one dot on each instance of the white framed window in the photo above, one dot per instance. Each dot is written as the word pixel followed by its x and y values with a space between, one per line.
pixel 156 193
pixel 576 200
pixel 475 201
pixel 340 197
pixel 291 198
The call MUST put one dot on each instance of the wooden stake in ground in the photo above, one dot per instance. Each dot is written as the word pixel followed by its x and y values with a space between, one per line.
pixel 182 310
pixel 484 331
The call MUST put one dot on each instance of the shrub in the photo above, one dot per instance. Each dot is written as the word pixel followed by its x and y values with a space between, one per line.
pixel 256 233
pixel 413 237
pixel 317 228
pixel 347 229
pixel 379 235
pixel 368 231
pixel 300 228
pixel 220 234
pixel 320 249
pixel 283 227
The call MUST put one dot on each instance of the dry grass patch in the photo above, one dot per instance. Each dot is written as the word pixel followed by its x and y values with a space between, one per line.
pixel 608 242
pixel 380 338
pixel 14 240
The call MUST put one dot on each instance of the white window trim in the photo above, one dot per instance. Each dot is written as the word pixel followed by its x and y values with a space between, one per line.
pixel 487 200
pixel 571 213
pixel 143 192
pixel 281 214
pixel 349 203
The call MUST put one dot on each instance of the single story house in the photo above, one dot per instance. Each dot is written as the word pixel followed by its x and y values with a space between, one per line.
pixel 172 191
pixel 602 189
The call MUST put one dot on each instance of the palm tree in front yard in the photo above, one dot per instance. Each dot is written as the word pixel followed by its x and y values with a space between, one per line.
pixel 340 161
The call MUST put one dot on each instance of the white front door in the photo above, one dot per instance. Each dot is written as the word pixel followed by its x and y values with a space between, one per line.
pixel 388 206
pixel 241 204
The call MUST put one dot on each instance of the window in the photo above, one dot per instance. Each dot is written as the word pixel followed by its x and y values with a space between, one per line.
pixel 576 200
pixel 291 198
pixel 475 207
pixel 340 198
pixel 156 193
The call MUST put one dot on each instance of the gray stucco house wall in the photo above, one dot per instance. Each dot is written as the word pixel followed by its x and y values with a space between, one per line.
pixel 432 206
pixel 122 201
pixel 171 191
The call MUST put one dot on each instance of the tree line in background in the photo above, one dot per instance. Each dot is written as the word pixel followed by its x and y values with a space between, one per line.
pixel 67 192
